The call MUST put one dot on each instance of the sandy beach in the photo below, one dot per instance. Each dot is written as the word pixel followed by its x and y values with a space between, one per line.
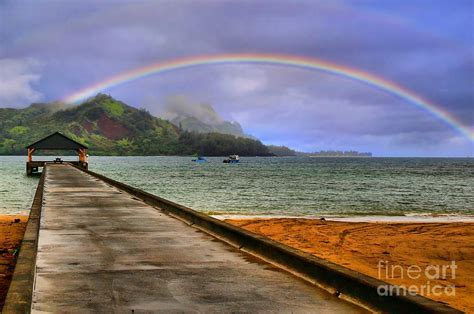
pixel 11 233
pixel 387 250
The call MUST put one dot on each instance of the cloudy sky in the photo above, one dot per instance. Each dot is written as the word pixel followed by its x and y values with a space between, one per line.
pixel 50 49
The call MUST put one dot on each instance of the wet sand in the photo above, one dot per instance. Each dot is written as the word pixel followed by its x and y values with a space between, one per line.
pixel 362 246
pixel 11 233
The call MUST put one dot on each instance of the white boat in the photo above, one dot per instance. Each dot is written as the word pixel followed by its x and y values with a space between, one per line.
pixel 233 159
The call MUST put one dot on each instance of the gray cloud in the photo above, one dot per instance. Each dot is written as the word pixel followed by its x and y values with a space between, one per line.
pixel 17 77
pixel 82 42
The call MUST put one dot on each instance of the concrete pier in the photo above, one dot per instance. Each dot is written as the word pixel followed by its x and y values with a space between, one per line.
pixel 102 250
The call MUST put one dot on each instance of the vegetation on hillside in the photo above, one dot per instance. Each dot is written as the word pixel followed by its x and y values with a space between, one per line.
pixel 110 127
pixel 335 153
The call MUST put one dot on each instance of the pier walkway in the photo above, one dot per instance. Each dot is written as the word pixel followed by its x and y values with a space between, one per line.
pixel 102 250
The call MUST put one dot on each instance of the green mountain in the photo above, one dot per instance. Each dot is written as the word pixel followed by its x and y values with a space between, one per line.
pixel 110 127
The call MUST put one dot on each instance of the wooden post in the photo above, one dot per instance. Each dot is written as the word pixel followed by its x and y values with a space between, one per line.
pixel 30 154
pixel 82 155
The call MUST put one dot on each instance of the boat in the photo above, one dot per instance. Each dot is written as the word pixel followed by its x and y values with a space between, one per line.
pixel 233 159
pixel 200 160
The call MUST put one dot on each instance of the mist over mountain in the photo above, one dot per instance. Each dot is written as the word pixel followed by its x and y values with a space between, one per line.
pixel 198 117
pixel 111 127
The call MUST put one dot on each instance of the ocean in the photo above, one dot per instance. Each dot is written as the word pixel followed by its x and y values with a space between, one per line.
pixel 279 186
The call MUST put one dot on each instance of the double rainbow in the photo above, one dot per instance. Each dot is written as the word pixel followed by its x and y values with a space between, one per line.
pixel 283 60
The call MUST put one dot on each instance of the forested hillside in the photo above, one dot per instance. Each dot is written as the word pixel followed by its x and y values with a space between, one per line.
pixel 110 127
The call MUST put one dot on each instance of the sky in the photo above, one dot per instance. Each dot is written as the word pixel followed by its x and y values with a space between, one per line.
pixel 50 49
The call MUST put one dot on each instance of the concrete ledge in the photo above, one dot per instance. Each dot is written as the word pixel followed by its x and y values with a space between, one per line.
pixel 20 293
pixel 351 285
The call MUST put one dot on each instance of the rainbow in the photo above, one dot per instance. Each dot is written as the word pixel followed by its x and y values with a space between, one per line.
pixel 283 60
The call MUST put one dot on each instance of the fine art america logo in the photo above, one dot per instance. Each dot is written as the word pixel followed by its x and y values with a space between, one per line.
pixel 424 277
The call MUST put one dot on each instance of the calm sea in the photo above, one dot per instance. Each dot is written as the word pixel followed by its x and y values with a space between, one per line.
pixel 279 186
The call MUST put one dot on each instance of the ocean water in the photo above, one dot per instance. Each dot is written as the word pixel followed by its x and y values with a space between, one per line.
pixel 280 186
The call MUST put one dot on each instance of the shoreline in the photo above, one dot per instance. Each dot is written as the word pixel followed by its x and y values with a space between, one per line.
pixel 415 218
pixel 409 218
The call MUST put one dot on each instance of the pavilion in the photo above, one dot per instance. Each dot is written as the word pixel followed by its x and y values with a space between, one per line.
pixel 55 141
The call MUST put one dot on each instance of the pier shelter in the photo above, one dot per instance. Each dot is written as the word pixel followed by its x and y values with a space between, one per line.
pixel 59 142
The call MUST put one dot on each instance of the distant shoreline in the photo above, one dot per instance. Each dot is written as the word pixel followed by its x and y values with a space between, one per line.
pixel 368 157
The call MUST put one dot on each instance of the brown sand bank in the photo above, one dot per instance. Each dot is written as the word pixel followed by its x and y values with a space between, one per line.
pixel 11 233
pixel 408 254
